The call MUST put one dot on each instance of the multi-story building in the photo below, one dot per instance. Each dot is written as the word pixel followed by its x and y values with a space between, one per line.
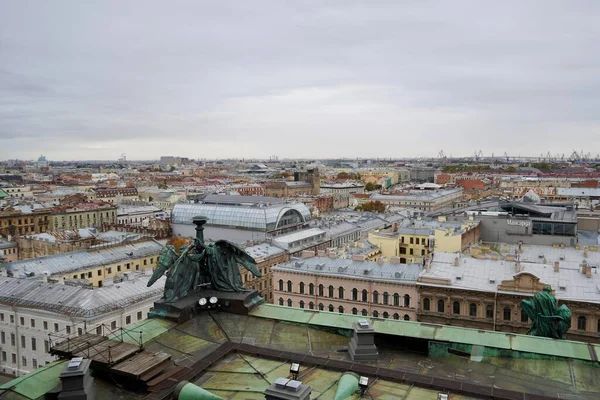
pixel 138 215
pixel 305 183
pixel 425 200
pixel 377 289
pixel 344 188
pixel 9 251
pixel 115 195
pixel 82 215
pixel 484 291
pixel 33 314
pixel 305 240
pixel 266 256
pixel 422 173
pixel 21 192
pixel 96 265
pixel 23 220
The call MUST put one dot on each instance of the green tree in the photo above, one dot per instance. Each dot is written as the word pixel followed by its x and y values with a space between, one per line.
pixel 371 206
pixel 370 186
pixel 343 175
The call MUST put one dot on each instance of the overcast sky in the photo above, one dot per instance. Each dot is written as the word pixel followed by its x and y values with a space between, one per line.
pixel 94 79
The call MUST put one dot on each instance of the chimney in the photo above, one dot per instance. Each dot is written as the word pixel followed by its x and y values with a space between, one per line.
pixel 358 257
pixel 395 259
pixel 395 227
pixel 332 254
pixel 456 261
pixel 427 264
pixel 287 389
pixel 585 252
pixel 588 271
pixel 518 266
pixel 584 267
pixel 556 266
pixel 380 260
pixel 76 381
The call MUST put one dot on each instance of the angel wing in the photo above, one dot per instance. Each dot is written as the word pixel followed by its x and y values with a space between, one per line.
pixel 239 255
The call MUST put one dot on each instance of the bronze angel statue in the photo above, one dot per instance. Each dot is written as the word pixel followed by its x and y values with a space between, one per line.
pixel 199 265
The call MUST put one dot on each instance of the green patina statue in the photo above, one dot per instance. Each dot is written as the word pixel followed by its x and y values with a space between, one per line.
pixel 201 265
pixel 547 319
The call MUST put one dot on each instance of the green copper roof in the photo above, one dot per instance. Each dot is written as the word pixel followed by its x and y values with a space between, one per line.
pixel 3 194
pixel 35 384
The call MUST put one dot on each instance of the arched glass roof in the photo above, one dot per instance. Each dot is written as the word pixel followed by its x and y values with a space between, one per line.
pixel 262 218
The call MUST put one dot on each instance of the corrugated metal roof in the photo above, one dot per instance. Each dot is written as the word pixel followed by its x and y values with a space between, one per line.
pixel 76 300
pixel 78 260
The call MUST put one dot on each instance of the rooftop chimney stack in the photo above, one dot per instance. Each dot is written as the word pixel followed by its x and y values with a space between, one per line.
pixel 585 252
pixel 76 381
pixel 556 266
pixel 518 266
pixel 456 261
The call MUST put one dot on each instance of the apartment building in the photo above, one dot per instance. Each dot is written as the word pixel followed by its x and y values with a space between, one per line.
pixel 424 200
pixel 96 265
pixel 377 289
pixel 266 256
pixel 34 314
pixel 82 215
pixel 23 220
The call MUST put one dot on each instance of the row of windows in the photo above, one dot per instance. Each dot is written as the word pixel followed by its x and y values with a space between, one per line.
pixel 355 294
pixel 32 324
pixel 340 309
pixel 13 359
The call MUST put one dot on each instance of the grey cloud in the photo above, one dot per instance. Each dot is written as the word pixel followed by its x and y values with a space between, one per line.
pixel 246 79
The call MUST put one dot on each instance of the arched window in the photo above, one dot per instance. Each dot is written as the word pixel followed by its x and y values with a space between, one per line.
pixel 281 285
pixel 311 289
pixel 355 294
pixel 321 290
pixel 440 307
pixel 321 307
pixel 301 303
pixel 301 286
pixel 406 300
pixel 311 305
pixel 581 323
pixel 472 310
pixel 365 295
pixel 386 298
pixel 456 308
pixel 290 303
pixel 426 304
pixel 386 314
pixel 364 312
pixel 289 286
pixel 281 301
pixel 396 316
pixel 406 317
pixel 376 297
pixel 355 311
pixel 331 291
pixel 341 309
pixel 341 292
pixel 330 308
pixel 524 317
pixel 506 313
pixel 396 299
pixel 489 311
pixel 375 313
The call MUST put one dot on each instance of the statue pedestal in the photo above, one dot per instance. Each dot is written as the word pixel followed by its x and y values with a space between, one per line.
pixel 184 309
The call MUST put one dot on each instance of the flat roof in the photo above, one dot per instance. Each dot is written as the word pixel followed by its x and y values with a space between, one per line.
pixel 298 235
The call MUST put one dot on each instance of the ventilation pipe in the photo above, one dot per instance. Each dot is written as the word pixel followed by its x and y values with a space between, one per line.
pixel 188 391
pixel 347 386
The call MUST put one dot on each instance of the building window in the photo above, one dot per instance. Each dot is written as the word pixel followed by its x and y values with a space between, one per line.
pixel 364 312
pixel 24 361
pixel 281 285
pixel 68 330
pixel 489 311
pixel 376 297
pixel 46 346
pixel 524 317
pixel 3 356
pixel 33 344
pixel 23 344
pixel 301 288
pixel 354 311
pixel 32 323
pixel 139 315
pixel 386 298
pixel 365 295
pixel 301 303
pixel 426 304
pixel 12 319
pixel 406 317
pixel 45 323
pixel 412 240
pixel 355 294
pixel 289 286
pixel 55 327
pixel 396 316
pixel 113 325
pixel 440 306
pixel 1 317
pixel 22 319
pixel 290 303
pixel 311 289
pixel 386 314
pixel 34 363
pixel 331 290
pixel 506 313
pixel 2 337
pixel 321 307
pixel 341 309
pixel 396 299
pixel 406 300
pixel 581 323
pixel 13 358
pixel 128 319
pixel 321 289
pixel 311 305
pixel 472 310
pixel 375 314
pixel 456 308
pixel 341 292
pixel 280 301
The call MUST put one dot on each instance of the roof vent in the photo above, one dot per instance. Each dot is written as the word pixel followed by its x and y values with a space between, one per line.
pixel 562 258
pixel 492 280
pixel 459 278
pixel 366 272
pixel 562 287
pixel 320 266
pixel 398 275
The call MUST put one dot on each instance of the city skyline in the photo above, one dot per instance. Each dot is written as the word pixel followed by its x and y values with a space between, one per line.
pixel 309 80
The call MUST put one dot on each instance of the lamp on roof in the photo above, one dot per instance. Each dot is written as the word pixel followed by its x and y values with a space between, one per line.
pixel 295 370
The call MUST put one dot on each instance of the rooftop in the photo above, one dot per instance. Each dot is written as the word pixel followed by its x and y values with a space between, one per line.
pixel 263 251
pixel 78 260
pixel 363 270
pixel 417 195
pixel 298 235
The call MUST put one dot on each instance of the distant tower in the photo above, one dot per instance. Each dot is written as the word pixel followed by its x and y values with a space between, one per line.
pixel 315 180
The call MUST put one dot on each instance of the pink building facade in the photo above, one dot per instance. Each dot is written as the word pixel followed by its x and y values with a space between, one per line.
pixel 375 289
